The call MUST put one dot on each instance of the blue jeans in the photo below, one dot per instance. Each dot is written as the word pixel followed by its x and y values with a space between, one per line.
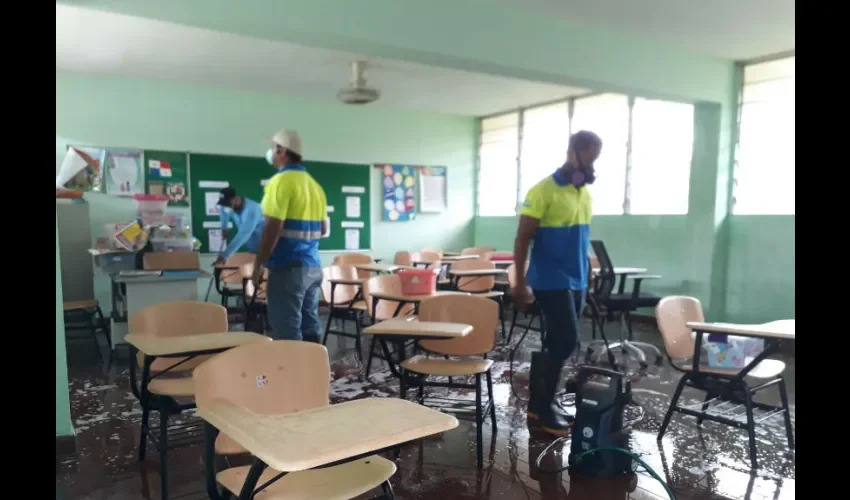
pixel 560 310
pixel 293 303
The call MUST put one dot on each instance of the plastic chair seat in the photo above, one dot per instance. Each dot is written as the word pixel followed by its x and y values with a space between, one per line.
pixel 447 367
pixel 172 386
pixel 340 482
pixel 766 369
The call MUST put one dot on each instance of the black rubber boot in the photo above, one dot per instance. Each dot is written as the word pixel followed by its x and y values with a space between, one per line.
pixel 538 402
pixel 553 417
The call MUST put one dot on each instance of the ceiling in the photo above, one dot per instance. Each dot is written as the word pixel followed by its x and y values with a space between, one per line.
pixel 92 41
pixel 729 29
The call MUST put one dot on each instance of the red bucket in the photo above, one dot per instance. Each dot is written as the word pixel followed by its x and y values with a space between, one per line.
pixel 418 281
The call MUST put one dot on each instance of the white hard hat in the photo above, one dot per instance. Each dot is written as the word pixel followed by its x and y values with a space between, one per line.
pixel 288 139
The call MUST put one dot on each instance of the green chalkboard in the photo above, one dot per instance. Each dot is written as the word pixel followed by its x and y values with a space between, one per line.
pixel 210 173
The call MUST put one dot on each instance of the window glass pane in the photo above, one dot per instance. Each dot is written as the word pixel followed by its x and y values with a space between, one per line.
pixel 497 169
pixel 765 158
pixel 662 147
pixel 545 136
pixel 608 116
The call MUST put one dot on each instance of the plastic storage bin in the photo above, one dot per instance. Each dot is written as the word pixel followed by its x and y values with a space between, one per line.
pixel 116 262
pixel 732 352
pixel 418 281
pixel 172 244
pixel 150 208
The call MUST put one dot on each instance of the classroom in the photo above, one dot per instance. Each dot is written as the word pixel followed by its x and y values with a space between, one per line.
pixel 444 317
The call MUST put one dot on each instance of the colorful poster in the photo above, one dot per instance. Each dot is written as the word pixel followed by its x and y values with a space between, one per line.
pixel 433 195
pixel 398 183
pixel 123 173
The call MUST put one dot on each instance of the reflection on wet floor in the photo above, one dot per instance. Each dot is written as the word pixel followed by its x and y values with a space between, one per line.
pixel 698 463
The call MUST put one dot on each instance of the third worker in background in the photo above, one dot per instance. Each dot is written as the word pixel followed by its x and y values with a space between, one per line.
pixel 246 215
pixel 295 209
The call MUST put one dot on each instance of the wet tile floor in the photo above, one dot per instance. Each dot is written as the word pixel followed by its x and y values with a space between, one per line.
pixel 710 463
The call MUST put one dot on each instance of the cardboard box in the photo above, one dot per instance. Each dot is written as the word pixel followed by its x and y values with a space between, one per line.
pixel 172 260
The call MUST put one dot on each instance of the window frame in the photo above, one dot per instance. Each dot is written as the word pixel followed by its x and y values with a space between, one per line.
pixel 570 104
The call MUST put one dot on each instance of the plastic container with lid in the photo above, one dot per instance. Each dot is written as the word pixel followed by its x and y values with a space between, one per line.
pixel 418 281
pixel 150 208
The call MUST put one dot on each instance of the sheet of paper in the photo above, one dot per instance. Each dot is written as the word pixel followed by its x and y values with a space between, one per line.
pixel 263 182
pixel 213 184
pixel 327 228
pixel 208 224
pixel 354 224
pixel 352 239
pixel 353 189
pixel 330 209
pixel 432 193
pixel 215 240
pixel 211 202
pixel 352 207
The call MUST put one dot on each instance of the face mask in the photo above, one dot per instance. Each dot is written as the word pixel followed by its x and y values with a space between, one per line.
pixel 270 156
pixel 579 176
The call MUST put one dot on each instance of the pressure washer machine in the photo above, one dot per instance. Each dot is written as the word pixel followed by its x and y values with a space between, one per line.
pixel 601 396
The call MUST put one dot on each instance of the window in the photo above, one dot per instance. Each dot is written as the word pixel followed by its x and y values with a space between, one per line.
pixel 649 176
pixel 497 165
pixel 545 137
pixel 608 116
pixel 662 146
pixel 765 157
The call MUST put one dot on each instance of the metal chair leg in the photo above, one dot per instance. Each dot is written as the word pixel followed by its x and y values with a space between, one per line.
pixel 492 401
pixel 479 420
pixel 673 402
pixel 163 454
pixel 751 426
pixel 789 428
pixel 371 355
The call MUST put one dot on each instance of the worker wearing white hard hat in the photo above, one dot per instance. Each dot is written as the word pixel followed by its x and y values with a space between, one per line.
pixel 295 210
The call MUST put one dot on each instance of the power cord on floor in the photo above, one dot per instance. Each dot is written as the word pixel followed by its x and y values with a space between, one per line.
pixel 584 454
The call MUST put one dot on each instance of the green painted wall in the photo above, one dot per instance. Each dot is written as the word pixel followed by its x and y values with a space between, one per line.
pixel 63 404
pixel 114 111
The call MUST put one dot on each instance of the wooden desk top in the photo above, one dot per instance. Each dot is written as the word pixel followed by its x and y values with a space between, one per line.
pixel 780 330
pixel 412 327
pixel 166 346
pixel 458 257
pixel 378 268
pixel 339 281
pixel 414 298
pixel 479 272
pixel 625 270
pixel 312 438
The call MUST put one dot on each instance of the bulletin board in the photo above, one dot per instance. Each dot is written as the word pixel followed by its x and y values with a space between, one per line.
pixel 346 187
pixel 167 172
pixel 398 185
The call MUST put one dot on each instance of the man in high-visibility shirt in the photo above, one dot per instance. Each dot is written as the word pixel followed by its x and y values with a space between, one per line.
pixel 295 209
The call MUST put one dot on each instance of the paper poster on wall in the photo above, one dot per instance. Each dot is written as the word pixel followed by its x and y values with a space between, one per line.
pixel 432 189
pixel 352 239
pixel 215 239
pixel 327 232
pixel 81 170
pixel 398 183
pixel 123 172
pixel 211 205
pixel 353 189
pixel 352 207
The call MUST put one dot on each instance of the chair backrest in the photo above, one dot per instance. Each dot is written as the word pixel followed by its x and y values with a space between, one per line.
pixel 353 259
pixel 606 280
pixel 672 314
pixel 433 251
pixel 481 313
pixel 343 294
pixel 233 276
pixel 426 256
pixel 475 284
pixel 479 251
pixel 283 376
pixel 403 258
pixel 248 291
pixel 177 319
pixel 387 283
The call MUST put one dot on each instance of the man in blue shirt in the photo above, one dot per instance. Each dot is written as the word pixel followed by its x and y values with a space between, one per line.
pixel 247 216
